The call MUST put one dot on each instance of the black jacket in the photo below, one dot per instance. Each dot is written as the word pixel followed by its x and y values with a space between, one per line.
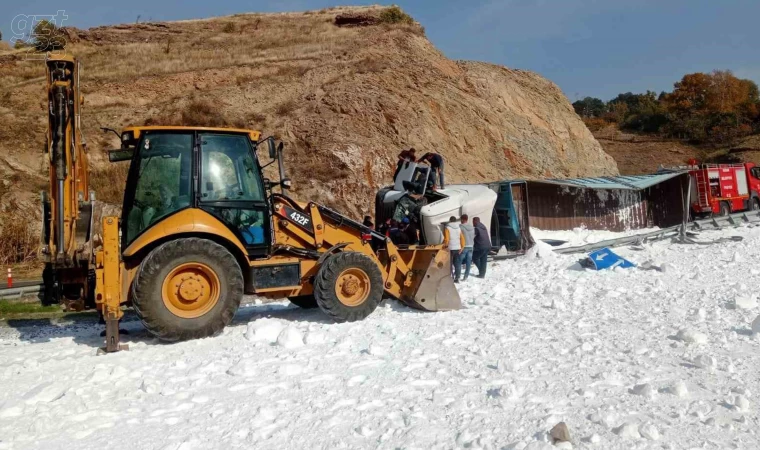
pixel 482 239
pixel 435 161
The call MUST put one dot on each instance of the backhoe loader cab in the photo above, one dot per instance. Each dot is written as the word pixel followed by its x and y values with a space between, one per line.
pixel 200 227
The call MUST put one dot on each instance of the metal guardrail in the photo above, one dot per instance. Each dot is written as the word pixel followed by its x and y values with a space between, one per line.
pixel 625 240
pixel 20 291
pixel 713 223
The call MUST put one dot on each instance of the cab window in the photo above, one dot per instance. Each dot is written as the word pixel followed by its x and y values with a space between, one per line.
pixel 229 172
pixel 161 180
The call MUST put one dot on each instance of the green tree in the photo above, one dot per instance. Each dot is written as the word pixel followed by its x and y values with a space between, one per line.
pixel 638 112
pixel 48 37
pixel 590 107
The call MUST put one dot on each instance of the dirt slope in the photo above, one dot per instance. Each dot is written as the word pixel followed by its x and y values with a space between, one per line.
pixel 637 154
pixel 345 99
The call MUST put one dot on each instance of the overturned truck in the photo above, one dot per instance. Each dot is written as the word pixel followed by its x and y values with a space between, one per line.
pixel 413 196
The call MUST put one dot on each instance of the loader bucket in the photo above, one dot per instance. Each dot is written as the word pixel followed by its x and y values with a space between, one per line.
pixel 433 290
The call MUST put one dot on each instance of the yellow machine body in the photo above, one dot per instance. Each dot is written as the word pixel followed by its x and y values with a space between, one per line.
pixel 292 243
pixel 67 204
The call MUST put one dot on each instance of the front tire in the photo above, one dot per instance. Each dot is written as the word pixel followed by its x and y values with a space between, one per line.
pixel 348 286
pixel 187 289
pixel 754 204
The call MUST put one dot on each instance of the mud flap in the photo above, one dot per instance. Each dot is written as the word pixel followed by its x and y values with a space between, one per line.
pixel 437 291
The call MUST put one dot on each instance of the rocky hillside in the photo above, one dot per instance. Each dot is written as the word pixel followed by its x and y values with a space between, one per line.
pixel 345 88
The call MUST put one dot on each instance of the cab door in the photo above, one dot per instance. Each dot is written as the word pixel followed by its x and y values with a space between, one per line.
pixel 230 188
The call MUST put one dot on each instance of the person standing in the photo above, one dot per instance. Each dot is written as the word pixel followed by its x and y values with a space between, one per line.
pixel 481 248
pixel 469 240
pixel 454 238
pixel 436 165
pixel 403 157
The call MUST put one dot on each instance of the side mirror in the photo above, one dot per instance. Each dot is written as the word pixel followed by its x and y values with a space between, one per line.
pixel 286 183
pixel 272 148
pixel 123 154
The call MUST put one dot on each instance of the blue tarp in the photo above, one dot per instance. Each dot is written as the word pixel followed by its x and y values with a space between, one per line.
pixel 606 259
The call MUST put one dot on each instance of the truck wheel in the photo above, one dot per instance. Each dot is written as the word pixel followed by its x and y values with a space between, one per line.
pixel 187 289
pixel 725 209
pixel 754 204
pixel 348 286
pixel 304 301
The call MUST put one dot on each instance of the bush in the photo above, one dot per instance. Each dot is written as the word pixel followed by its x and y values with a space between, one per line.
pixel 229 27
pixel 595 124
pixel 201 113
pixel 48 37
pixel 286 107
pixel 394 14
pixel 18 241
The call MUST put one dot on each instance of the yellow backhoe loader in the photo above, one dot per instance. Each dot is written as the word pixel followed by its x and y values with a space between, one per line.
pixel 201 226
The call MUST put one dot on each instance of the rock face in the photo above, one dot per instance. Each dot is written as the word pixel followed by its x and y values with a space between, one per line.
pixel 345 98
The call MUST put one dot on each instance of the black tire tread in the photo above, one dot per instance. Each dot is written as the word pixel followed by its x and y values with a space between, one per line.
pixel 146 290
pixel 324 287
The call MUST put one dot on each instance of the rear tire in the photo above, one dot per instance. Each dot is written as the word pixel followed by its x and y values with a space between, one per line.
pixel 348 286
pixel 304 301
pixel 754 204
pixel 187 289
pixel 725 209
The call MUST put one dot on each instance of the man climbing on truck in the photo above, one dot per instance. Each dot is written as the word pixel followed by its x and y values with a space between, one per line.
pixel 436 165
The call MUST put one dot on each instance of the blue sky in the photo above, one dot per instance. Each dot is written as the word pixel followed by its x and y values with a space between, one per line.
pixel 588 47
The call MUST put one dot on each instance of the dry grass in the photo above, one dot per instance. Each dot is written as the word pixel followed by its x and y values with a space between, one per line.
pixel 109 183
pixel 277 39
pixel 286 107
pixel 202 113
pixel 198 112
pixel 372 65
pixel 18 240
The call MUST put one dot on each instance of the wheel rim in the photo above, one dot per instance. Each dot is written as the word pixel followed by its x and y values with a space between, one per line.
pixel 191 290
pixel 352 287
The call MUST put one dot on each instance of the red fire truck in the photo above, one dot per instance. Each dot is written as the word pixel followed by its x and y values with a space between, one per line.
pixel 722 189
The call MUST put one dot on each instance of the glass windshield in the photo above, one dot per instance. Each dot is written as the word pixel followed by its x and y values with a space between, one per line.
pixel 162 182
pixel 229 172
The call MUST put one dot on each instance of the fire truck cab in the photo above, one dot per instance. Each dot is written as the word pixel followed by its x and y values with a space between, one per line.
pixel 722 189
